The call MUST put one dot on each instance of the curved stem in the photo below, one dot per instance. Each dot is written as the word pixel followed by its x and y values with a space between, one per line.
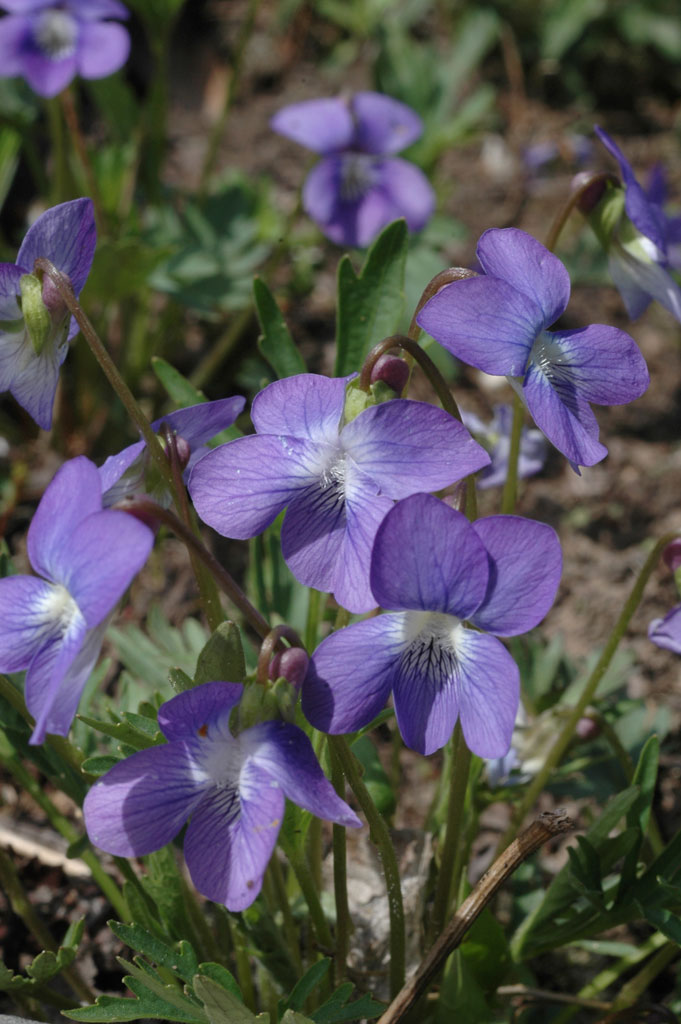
pixel 447 883
pixel 425 362
pixel 340 878
pixel 567 732
pixel 298 861
pixel 381 837
pixel 573 201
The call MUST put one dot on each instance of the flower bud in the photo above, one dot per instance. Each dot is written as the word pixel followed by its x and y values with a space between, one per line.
pixel 290 665
pixel 591 188
pixel 587 728
pixel 392 370
pixel 672 555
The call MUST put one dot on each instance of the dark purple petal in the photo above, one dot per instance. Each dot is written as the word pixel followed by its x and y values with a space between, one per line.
pixel 308 406
pixel 427 556
pixel 199 423
pixel 603 364
pixel 382 124
pixel 484 322
pixel 364 513
pixel 63 703
pixel 101 559
pixel 525 567
pixel 350 674
pixel 488 690
pixel 646 216
pixel 565 417
pixel 285 754
pixel 103 48
pixel 408 446
pixel 182 716
pixel 523 262
pixel 65 235
pixel 666 632
pixel 26 622
pixel 14 32
pixel 10 290
pixel 409 192
pixel 231 837
pixel 425 695
pixel 241 487
pixel 143 802
pixel 324 126
pixel 73 494
pixel 46 673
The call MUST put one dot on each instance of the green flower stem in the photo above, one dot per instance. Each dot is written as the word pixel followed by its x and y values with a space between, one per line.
pixel 301 869
pixel 243 962
pixel 68 107
pixel 10 884
pixel 291 933
pixel 447 883
pixel 59 192
pixel 63 826
pixel 567 732
pixel 314 609
pixel 510 492
pixel 572 202
pixel 381 837
pixel 632 991
pixel 314 851
pixel 611 975
pixel 340 877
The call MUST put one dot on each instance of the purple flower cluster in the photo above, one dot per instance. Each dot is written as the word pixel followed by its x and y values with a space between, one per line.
pixel 48 43
pixel 52 624
pixel 359 186
pixel 232 789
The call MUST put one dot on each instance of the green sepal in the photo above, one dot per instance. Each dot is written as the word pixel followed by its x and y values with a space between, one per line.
pixel 36 314
pixel 357 400
pixel 607 214
pixel 222 658
pixel 258 704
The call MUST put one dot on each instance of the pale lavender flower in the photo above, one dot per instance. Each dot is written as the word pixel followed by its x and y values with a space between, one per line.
pixel 666 632
pixel 49 42
pixel 232 788
pixel 336 480
pixel 359 186
pixel 35 325
pixel 495 437
pixel 439 575
pixel 498 322
pixel 52 624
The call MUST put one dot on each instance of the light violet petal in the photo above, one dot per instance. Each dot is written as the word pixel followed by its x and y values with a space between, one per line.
pixel 25 6
pixel 285 753
pixel 602 363
pixel 523 262
pixel 353 220
pixel 408 446
pixel 425 697
pixel 525 568
pixel 46 673
pixel 91 10
pixel 64 702
pixel 101 560
pixel 143 802
pixel 382 124
pixel 26 622
pixel 488 689
pixel 231 837
pixel 484 322
pixel 308 406
pixel 646 216
pixel 72 495
pixel 241 487
pixel 323 125
pixel 66 235
pixel 408 190
pixel 350 675
pixel 565 417
pixel 639 281
pixel 46 76
pixel 182 716
pixel 321 191
pixel 35 379
pixel 427 556
pixel 104 48
pixel 364 513
pixel 14 32
pixel 666 632
pixel 199 423
pixel 113 468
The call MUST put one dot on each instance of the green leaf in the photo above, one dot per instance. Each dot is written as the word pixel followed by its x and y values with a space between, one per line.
pixel 638 814
pixel 182 391
pixel 99 764
pixel 220 1005
pixel 145 1004
pixel 337 1009
pixel 664 920
pixel 181 960
pixel 275 342
pixel 370 304
pixel 222 657
pixel 220 975
pixel 306 986
pixel 123 732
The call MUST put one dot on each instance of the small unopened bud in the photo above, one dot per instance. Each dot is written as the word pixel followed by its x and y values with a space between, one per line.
pixel 392 370
pixel 672 555
pixel 290 665
pixel 183 450
pixel 591 188
pixel 587 728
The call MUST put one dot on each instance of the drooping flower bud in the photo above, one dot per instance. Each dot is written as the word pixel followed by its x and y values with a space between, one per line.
pixel 290 665
pixel 391 370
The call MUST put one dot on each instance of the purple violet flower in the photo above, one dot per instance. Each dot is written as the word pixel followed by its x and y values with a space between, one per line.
pixel 48 43
pixel 666 632
pixel 337 480
pixel 130 473
pixel 35 326
pixel 495 437
pixel 53 626
pixel 231 787
pixel 359 186
pixel 438 574
pixel 498 322
pixel 638 244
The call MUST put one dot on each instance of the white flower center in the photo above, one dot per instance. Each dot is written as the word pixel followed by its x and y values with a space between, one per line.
pixel 548 356
pixel 358 174
pixel 430 643
pixel 220 755
pixel 55 34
